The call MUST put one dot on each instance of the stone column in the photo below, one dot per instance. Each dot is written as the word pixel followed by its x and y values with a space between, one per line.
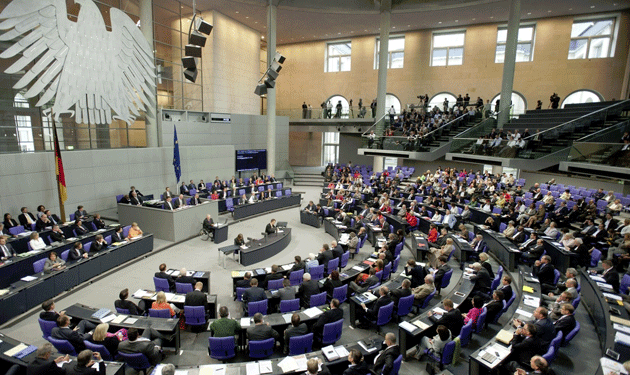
pixel 509 62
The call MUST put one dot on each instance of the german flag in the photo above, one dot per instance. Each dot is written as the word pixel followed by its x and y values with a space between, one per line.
pixel 61 178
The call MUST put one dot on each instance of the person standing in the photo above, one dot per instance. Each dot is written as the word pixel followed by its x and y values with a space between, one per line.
pixel 350 110
pixel 304 110
pixel 373 106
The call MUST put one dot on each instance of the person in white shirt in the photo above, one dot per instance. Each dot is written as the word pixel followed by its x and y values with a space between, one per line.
pixel 36 242
pixel 552 231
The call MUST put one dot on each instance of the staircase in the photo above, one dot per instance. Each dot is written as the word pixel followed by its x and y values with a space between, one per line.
pixel 308 176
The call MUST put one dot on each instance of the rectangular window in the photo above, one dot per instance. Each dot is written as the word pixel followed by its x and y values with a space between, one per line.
pixel 524 46
pixel 448 48
pixel 338 57
pixel 592 39
pixel 330 151
pixel 396 55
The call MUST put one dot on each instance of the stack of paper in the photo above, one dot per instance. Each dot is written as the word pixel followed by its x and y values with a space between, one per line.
pixel 119 319
pixel 264 367
pixel 28 278
pixel 287 317
pixel 330 353
pixel 420 324
pixel 130 320
pixel 16 349
pixel 301 362
pixel 341 351
pixel 312 312
pixel 175 273
pixel 252 368
pixel 532 301
pixel 288 364
pixel 287 267
pixel 358 268
pixel 245 322
pixel 407 326
pixel 523 313
pixel 212 370
pixel 180 298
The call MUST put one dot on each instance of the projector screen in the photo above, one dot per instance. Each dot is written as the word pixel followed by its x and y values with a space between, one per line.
pixel 247 160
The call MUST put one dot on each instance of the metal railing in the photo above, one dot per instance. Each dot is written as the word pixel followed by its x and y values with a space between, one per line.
pixel 612 154
pixel 322 114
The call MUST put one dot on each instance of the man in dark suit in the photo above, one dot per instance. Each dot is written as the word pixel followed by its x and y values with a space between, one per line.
pixel 77 252
pixel 197 298
pixel 98 222
pixel 134 190
pixel 609 222
pixel 135 200
pixel 403 291
pixel 56 235
pixel 307 289
pixel 6 250
pixel 610 274
pixel 519 235
pixel 482 281
pixel 261 331
pixel 371 314
pixel 545 331
pixel 357 365
pixel 52 217
pixel 84 364
pixel 453 319
pixel 478 243
pixel 297 328
pixel 566 323
pixel 74 336
pixel 271 227
pixel 337 250
pixel 245 282
pixel 530 243
pixel 195 200
pixel 49 313
pixel 253 293
pixel 310 207
pixel 324 256
pixel 441 271
pixel 183 189
pixel 163 275
pixel 274 275
pixel 494 306
pixel 535 252
pixel 43 365
pixel 588 229
pixel 179 201
pixel 183 278
pixel 42 223
pixel 330 316
pixel 384 361
pixel 559 212
pixel 26 218
pixel 123 303
pixel 168 204
pixel 79 228
pixel 416 272
pixel 544 271
pixel 117 236
pixel 298 265
pixel 149 347
pixel 167 193
pixel 524 347
pixel 506 287
pixel 80 213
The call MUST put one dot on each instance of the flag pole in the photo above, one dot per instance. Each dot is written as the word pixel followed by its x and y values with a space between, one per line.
pixel 62 209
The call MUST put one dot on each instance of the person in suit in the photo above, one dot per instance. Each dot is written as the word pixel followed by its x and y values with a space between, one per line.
pixel 85 362
pixel 274 275
pixel 544 271
pixel 6 250
pixel 287 292
pixel 117 236
pixel 42 364
pixel 313 366
pixel 519 235
pixel 416 272
pixel 98 244
pixel 79 228
pixel 124 200
pixel 134 199
pixel 384 361
pixel 524 347
pixel 198 298
pixel 183 278
pixel 536 251
pixel 167 193
pixel 77 252
pixel 253 293
pixel 453 319
pixel 42 223
pixel 271 227
pixel 74 336
pixel 610 274
pixel 183 189
pixel 494 306
pixel 9 222
pixel 179 202
pixel 478 243
pixel 151 347
pixel 357 365
pixel 245 282
pixel 208 224
pixel 53 263
pixel 398 293
pixel 337 250
pixel 297 328
pixel 307 289
pixel 371 314
pixel 609 222
pixel 168 204
pixel 26 218
pixel 566 322
pixel 195 200
pixel 161 274
pixel 324 256
pixel 482 281
pixel 363 282
pixel 56 235
pixel 332 282
pixel 545 331
pixel 506 287
pixel 123 303
pixel 98 222
pixel 49 314
pixel 80 213
pixel 297 265
pixel 261 331
pixel 332 315
pixel 436 344
pixel 422 292
pixel 485 263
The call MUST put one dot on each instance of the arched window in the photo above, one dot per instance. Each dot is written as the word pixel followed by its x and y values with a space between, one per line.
pixel 438 100
pixel 518 100
pixel 392 100
pixel 344 105
pixel 582 96
pixel 23 125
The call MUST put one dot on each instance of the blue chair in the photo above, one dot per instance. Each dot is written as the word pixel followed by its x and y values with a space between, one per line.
pixel 396 262
pixel 340 293
pixel 62 346
pixel 161 285
pixel 183 287
pixel 72 216
pixel 239 293
pixel 446 279
pixel 64 255
pixel 481 321
pixel 624 284
pixel 375 286
pixel 87 247
pixel 46 327
pixel 509 302
pixel 195 315
pixel 16 230
pixel 550 355
pixel 387 270
pixel 222 348
pixel 556 277
pixel 318 299
pixel 125 231
pixel 119 197
pixel 38 266
pixel 379 275
pixel 557 341
pixel 596 255
pixel 261 349
pixel 317 272
pixel 229 205
pixel 427 300
pixel 333 265
pixel 503 310
pixel 465 334
pixel 396 366
pixel 105 354
pixel 136 361
pixel 123 311
pixel 405 304
pixel 160 313
pixel 344 259
pixel 332 331
pixel 500 272
pixel 398 249
pixel 296 277
pixel 384 315
pixel 576 302
pixel 108 240
pixel 447 355
pixel 274 284
pixel 495 283
pixel 255 307
pixel 301 344
pixel 289 305
pixel 571 334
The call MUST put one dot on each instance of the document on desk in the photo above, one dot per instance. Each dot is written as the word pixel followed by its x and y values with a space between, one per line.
pixel 408 326
pixel 212 369
pixel 178 298
pixel 341 350
pixel 330 353
pixel 130 320
pixel 612 296
pixel 245 322
pixel 523 313
pixel 598 278
pixel 288 364
pixel 108 318
pixel 313 312
pixel 619 327
pixel 265 367
pixel 169 296
pixel 420 324
pixel 611 367
pixel 175 273
pixel 616 319
pixel 287 267
pixel 119 319
pixel 287 317
pixel 28 278
pixel 301 362
pixel 252 368
pixel 531 301
pixel 141 293
pixel 358 268
pixel 16 349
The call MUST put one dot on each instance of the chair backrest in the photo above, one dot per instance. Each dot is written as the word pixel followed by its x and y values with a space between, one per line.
pixel 396 262
pixel 375 286
pixel 556 276
pixel 465 334
pixel 333 265
pixel 160 313
pixel 446 279
pixel 428 299
pixel 72 216
pixel 296 277
pixel 550 355
pixel 38 266
pixel 183 287
pixel 387 270
pixel 625 284
pixel 596 255
pixel 274 284
pixel 161 285
pixel 495 283
pixel 125 231
pixel 500 272
pixel 448 352
pixel 87 247
pixel 105 354
pixel 301 344
pixel 503 310
pixel 261 349
pixel 571 334
pixel 16 230
pixel 62 346
pixel 344 259
pixel 576 302
pixel 317 272
pixel 289 305
pixel 379 275
pixel 340 293
pixel 258 306
pixel 318 299
pixel 123 311
pixel 46 327
pixel 136 361
pixel 405 304
pixel 196 315
pixel 557 341
pixel 64 255
pixel 222 348
pixel 108 240
pixel 398 248
pixel 395 367
pixel 332 332
pixel 509 302
pixel 385 314
pixel 481 320
pixel 239 293
pixel 119 197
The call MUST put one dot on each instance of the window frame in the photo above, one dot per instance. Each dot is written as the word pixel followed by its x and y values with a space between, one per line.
pixel 448 48
pixel 377 47
pixel 532 42
pixel 327 57
pixel 613 35
pixel 335 147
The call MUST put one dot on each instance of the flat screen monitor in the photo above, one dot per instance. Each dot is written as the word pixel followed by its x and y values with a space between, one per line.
pixel 247 160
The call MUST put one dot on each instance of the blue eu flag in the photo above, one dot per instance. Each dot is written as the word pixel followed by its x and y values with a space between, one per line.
pixel 176 161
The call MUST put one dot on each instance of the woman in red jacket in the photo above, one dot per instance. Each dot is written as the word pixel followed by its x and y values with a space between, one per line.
pixel 433 234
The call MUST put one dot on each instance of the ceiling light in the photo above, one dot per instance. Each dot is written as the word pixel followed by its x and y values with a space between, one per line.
pixel 393 27
pixel 440 22
pixel 530 13
pixel 237 12
pixel 262 37
pixel 592 6
pixel 474 19
pixel 491 17
pixel 549 11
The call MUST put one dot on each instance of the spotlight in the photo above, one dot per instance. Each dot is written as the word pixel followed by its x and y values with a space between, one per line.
pixel 279 58
pixel 275 67
pixel 191 74
pixel 270 83
pixel 197 39
pixel 272 74
pixel 189 62
pixel 203 26
pixel 193 50
pixel 261 90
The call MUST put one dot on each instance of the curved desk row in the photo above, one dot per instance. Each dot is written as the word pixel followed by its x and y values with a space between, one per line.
pixel 26 295
pixel 310 219
pixel 261 249
pixel 500 247
pixel 235 198
pixel 251 209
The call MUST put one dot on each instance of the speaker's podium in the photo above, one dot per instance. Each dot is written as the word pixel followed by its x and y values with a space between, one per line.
pixel 220 232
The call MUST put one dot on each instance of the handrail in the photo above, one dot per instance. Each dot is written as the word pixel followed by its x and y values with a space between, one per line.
pixel 445 125
pixel 579 118
pixel 478 125
pixel 373 125
pixel 616 127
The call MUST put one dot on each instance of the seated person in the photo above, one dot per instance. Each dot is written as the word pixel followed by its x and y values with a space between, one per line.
pixel 271 227
pixel 53 263
pixel 117 236
pixel 494 306
pixel 261 331
pixel 36 243
pixel 161 304
pixel 74 336
pixel 80 213
pixel 370 314
pixel 253 293
pixel 307 289
pixel 6 250
pixel 566 322
pixel 384 361
pixel 98 222
pixel 85 364
pixel 208 224
pixel 506 287
pixel 79 228
pixel 109 340
pixel 473 314
pixel 224 326
pixel 245 282
pixel 198 298
pixel 556 306
pixel 357 365
pixel 329 316
pixel 436 344
pixel 297 266
pixel 134 231
pixel 423 291
pixel 56 235
pixel 77 252
pixel 287 292
pixel 332 282
pixel 297 328
pixel 524 347
pixel 183 278
pixel 123 303
pixel 163 275
pixel 398 293
pixel 42 364
pixel 99 244
pixel 49 313
pixel 274 275
pixel 42 223
pixel 150 345
pixel 364 281
pixel 169 204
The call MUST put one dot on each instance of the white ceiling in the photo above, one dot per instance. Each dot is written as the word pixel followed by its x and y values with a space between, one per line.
pixel 308 20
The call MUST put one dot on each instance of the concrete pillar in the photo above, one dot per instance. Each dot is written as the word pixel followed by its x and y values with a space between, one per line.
pixel 381 92
pixel 272 10
pixel 510 62
pixel 146 26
